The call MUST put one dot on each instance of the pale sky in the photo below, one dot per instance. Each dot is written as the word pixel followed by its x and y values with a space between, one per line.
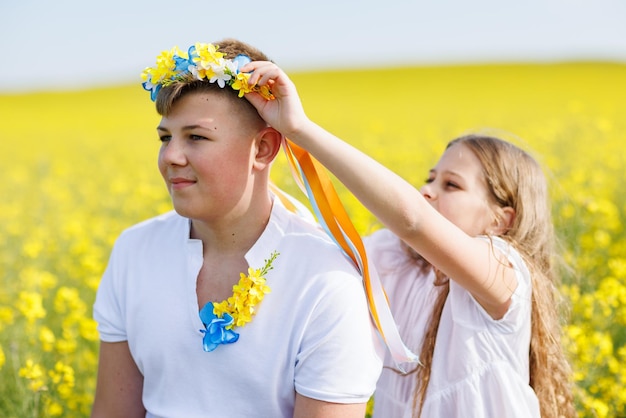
pixel 71 44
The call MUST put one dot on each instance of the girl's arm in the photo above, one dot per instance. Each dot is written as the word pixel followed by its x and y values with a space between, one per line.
pixel 397 204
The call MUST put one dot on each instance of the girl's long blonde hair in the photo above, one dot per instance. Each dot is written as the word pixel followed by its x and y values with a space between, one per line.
pixel 515 179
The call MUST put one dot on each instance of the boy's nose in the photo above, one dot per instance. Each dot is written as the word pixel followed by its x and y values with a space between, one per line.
pixel 173 153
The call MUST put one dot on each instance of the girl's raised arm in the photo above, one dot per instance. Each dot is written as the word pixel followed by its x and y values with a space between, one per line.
pixel 397 204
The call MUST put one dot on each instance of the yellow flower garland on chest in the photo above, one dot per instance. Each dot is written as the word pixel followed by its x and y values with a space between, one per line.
pixel 220 318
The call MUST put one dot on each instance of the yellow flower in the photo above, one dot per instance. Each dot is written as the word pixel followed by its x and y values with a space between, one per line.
pixel 34 278
pixel 6 316
pixel 88 329
pixel 47 338
pixel 221 307
pixel 165 67
pixel 33 372
pixel 207 55
pixel 66 346
pixel 68 301
pixel 266 92
pixel 241 84
pixel 243 318
pixel 62 376
pixel 54 409
pixel 2 357
pixel 247 293
pixel 30 304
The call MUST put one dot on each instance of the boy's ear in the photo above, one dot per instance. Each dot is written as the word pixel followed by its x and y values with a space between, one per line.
pixel 268 143
pixel 504 218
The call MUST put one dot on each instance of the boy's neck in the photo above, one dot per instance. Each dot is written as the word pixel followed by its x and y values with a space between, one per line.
pixel 230 236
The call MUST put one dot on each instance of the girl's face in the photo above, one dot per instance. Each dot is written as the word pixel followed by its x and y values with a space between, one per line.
pixel 456 188
pixel 206 156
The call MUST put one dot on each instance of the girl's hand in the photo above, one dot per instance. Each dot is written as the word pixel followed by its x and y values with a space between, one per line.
pixel 285 112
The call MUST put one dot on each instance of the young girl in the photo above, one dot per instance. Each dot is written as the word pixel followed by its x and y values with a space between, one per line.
pixel 479 303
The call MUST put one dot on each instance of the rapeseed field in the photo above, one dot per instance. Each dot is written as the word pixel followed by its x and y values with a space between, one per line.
pixel 80 166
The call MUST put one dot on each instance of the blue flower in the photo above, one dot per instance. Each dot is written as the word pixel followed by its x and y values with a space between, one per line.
pixel 241 60
pixel 182 64
pixel 154 92
pixel 191 52
pixel 215 332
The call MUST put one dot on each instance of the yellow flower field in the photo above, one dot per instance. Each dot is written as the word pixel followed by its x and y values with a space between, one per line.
pixel 78 167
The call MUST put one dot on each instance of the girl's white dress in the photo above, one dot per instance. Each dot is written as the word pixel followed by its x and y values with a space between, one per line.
pixel 480 365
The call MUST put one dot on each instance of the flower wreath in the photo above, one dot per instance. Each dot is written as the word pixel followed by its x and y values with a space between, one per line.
pixel 201 62
pixel 219 319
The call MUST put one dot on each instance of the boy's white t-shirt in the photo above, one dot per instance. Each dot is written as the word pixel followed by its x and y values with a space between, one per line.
pixel 480 365
pixel 312 333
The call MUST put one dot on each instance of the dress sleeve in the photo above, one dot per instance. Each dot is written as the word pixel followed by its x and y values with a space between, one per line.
pixel 108 309
pixel 468 312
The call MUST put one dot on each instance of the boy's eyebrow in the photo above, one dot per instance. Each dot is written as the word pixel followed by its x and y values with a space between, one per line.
pixel 184 128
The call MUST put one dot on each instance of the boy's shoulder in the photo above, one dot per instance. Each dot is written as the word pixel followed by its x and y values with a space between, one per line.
pixel 164 224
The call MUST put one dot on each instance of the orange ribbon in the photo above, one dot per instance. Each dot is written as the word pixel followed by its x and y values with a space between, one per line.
pixel 316 184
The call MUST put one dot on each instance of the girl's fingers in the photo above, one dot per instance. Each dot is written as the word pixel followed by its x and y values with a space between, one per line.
pixel 262 72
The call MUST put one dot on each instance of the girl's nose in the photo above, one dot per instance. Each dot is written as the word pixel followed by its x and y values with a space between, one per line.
pixel 428 191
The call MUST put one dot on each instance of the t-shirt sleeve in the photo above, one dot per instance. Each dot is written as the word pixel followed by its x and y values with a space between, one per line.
pixel 337 361
pixel 108 309
pixel 469 313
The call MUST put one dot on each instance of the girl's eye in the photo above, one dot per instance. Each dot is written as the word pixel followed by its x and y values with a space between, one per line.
pixel 429 180
pixel 451 184
pixel 196 137
pixel 165 138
